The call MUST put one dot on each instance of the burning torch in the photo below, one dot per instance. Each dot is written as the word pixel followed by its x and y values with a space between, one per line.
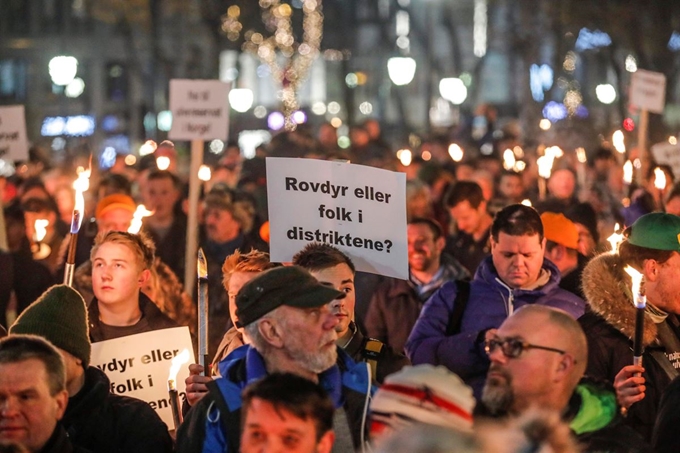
pixel 640 301
pixel 80 185
pixel 202 267
pixel 136 223
pixel 177 362
pixel 40 250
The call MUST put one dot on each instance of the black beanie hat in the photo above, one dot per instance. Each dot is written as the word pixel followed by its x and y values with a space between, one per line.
pixel 60 316
pixel 584 214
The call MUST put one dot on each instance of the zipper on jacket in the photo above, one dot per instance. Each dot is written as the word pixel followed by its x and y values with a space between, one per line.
pixel 510 304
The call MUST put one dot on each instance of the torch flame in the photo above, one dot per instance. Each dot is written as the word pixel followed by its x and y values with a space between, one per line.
pixel 615 239
pixel 137 217
pixel 509 159
pixel 81 184
pixel 659 179
pixel 581 155
pixel 628 172
pixel 618 142
pixel 40 226
pixel 177 362
pixel 636 277
pixel 163 162
pixel 456 152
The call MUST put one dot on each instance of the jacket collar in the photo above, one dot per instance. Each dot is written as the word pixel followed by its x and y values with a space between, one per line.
pixel 607 290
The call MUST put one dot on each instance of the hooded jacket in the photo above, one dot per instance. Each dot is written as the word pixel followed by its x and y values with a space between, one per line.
pixel 593 417
pixel 609 325
pixel 491 301
pixel 213 424
pixel 103 422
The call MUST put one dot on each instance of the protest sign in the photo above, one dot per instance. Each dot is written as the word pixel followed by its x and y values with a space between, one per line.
pixel 648 90
pixel 200 109
pixel 358 209
pixel 13 142
pixel 138 365
pixel 666 154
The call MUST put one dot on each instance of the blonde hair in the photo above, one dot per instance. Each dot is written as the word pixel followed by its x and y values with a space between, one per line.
pixel 140 244
pixel 253 261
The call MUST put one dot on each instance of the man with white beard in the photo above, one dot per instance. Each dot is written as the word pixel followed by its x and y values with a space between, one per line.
pixel 286 314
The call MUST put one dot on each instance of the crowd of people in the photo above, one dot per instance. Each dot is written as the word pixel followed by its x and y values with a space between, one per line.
pixel 513 332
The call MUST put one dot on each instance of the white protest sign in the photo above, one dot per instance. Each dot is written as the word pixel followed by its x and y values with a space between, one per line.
pixel 200 109
pixel 358 209
pixel 666 154
pixel 138 366
pixel 648 90
pixel 13 142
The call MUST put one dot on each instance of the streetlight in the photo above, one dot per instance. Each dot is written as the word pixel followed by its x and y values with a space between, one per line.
pixel 453 89
pixel 63 69
pixel 606 93
pixel 401 70
pixel 241 99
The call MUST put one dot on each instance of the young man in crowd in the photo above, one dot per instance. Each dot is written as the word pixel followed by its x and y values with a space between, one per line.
pixel 396 303
pixel 561 247
pixel 238 269
pixel 652 248
pixel 286 315
pixel 468 208
pixel 450 329
pixel 95 419
pixel 33 395
pixel 226 226
pixel 333 268
pixel 120 268
pixel 167 227
pixel 285 412
pixel 538 358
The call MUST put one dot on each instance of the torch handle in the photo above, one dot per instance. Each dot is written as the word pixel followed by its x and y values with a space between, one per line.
pixel 69 269
pixel 176 412
pixel 639 328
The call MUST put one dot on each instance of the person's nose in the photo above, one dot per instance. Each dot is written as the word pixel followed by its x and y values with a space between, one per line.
pixel 331 321
pixel 9 407
pixel 496 356
pixel 337 303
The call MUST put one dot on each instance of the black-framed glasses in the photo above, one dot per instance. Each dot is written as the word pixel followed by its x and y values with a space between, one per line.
pixel 514 347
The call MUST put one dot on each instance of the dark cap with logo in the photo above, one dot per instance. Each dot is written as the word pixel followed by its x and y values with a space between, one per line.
pixel 287 285
pixel 657 230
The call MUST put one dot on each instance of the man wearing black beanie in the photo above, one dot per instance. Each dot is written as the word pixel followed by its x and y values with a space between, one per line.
pixel 95 418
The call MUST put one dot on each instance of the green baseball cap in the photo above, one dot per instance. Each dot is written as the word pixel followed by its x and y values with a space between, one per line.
pixel 287 285
pixel 657 230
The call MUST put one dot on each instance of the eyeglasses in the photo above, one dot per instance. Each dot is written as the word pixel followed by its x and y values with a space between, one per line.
pixel 513 347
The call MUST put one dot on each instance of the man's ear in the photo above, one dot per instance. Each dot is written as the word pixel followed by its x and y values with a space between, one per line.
pixel 325 444
pixel 61 399
pixel 565 367
pixel 271 332
pixel 144 277
pixel 440 243
pixel 650 269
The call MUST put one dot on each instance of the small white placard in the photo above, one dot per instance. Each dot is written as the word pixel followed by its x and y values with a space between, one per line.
pixel 666 154
pixel 200 109
pixel 358 209
pixel 648 90
pixel 13 142
pixel 138 366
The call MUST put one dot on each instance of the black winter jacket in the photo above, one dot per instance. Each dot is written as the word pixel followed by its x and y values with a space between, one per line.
pixel 609 325
pixel 103 422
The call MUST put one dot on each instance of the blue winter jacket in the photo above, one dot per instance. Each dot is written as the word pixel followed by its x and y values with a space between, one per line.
pixel 489 304
pixel 213 424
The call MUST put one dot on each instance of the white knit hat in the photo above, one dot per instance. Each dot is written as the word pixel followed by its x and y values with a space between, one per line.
pixel 425 394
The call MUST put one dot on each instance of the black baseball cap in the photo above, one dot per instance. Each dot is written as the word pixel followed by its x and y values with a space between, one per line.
pixel 287 285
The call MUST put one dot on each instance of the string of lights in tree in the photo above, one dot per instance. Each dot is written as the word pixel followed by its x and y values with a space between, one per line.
pixel 292 69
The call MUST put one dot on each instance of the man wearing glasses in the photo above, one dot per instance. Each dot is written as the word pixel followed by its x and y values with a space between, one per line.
pixel 451 327
pixel 538 357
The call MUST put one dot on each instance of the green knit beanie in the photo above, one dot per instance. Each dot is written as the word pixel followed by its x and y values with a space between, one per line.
pixel 59 316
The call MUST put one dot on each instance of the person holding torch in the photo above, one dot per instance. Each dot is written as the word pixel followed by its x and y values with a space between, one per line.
pixel 651 246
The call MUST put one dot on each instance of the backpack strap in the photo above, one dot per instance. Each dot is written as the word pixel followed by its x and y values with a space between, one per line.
pixel 459 306
pixel 224 415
